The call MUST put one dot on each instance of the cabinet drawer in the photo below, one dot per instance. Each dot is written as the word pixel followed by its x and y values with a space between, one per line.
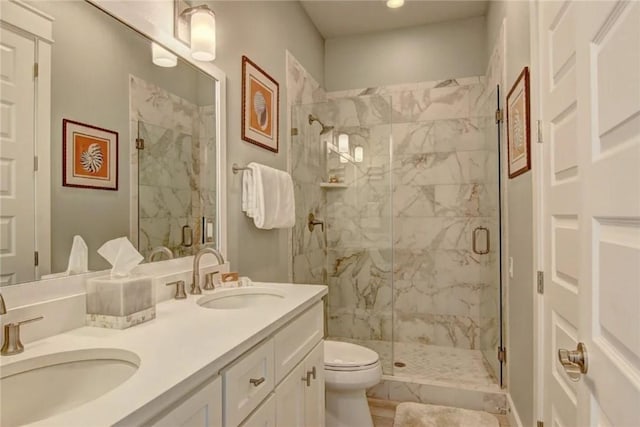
pixel 247 382
pixel 294 341
pixel 264 416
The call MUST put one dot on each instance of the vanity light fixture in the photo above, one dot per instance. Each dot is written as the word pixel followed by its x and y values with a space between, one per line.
pixel 358 154
pixel 394 4
pixel 162 57
pixel 343 143
pixel 203 32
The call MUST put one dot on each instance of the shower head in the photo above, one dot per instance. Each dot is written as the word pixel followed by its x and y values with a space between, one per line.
pixel 325 129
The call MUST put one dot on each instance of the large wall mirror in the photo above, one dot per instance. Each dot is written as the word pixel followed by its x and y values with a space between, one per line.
pixel 108 82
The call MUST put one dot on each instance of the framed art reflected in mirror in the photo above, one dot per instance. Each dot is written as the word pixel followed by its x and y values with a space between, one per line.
pixel 90 156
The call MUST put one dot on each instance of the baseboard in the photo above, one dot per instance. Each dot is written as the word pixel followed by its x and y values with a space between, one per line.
pixel 512 413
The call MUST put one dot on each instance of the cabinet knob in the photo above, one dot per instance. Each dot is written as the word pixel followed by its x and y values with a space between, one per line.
pixel 256 381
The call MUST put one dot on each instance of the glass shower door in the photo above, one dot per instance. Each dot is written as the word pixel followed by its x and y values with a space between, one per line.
pixel 165 194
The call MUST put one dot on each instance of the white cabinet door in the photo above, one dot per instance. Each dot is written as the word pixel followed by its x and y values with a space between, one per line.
pixel 590 104
pixel 203 408
pixel 264 416
pixel 314 393
pixel 17 151
pixel 290 398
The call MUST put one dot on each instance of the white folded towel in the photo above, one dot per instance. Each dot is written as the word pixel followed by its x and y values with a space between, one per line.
pixel 267 197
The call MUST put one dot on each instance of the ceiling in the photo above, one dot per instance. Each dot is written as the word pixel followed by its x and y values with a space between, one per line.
pixel 337 18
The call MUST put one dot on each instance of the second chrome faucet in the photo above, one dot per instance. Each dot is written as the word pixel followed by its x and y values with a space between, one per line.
pixel 195 286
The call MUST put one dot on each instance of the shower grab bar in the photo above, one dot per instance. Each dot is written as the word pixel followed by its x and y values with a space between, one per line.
pixel 475 241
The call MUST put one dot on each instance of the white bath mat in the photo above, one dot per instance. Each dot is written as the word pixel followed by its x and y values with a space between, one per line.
pixel 409 414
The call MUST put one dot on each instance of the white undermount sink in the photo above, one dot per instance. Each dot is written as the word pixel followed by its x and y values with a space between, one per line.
pixel 44 386
pixel 240 298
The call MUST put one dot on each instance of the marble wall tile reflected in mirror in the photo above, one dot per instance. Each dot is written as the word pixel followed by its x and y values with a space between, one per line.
pixel 95 61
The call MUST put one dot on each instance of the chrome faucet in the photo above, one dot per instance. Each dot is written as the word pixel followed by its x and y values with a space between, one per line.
pixel 159 250
pixel 11 343
pixel 195 286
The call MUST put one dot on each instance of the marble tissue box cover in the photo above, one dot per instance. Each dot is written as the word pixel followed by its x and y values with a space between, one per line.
pixel 120 303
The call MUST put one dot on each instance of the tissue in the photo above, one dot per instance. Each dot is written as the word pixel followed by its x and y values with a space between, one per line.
pixel 122 256
pixel 79 257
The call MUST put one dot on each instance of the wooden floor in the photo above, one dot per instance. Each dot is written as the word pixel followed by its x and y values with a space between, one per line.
pixel 383 412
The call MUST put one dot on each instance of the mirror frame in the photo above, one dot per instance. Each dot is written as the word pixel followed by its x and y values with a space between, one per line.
pixel 132 14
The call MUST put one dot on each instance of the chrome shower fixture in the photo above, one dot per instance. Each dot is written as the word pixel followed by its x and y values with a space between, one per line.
pixel 324 129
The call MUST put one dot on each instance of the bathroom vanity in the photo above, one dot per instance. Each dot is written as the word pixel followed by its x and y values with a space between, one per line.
pixel 252 357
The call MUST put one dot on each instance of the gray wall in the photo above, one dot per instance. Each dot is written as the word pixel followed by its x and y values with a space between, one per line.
pixel 93 55
pixel 519 222
pixel 429 52
pixel 262 31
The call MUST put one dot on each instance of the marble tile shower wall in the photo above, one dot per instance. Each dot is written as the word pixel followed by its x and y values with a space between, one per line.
pixel 175 185
pixel 441 191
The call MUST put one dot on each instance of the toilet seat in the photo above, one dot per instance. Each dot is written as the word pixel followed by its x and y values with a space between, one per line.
pixel 347 357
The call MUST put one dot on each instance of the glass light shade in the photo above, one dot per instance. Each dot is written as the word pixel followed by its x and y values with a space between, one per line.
pixel 162 57
pixel 394 4
pixel 203 35
pixel 358 154
pixel 343 143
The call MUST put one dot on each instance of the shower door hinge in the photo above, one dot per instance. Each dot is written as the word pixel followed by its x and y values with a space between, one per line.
pixel 36 258
pixel 36 70
pixel 499 116
pixel 35 163
pixel 294 131
pixel 502 355
pixel 139 143
pixel 540 282
pixel 540 139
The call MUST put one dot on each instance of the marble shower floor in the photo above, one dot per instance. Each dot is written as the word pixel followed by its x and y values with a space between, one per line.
pixel 434 364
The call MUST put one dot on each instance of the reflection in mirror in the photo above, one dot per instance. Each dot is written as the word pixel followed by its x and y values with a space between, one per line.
pixel 102 75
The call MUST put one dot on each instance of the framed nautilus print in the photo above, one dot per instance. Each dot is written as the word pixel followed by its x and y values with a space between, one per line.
pixel 260 103
pixel 90 156
pixel 519 126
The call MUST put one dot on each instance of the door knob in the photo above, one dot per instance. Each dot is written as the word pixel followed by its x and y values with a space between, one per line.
pixel 574 362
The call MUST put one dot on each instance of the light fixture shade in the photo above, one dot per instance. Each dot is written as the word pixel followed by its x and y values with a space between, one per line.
pixel 343 143
pixel 203 35
pixel 358 154
pixel 394 4
pixel 162 57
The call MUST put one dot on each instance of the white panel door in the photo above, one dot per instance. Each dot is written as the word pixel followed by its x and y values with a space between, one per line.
pixel 590 105
pixel 17 149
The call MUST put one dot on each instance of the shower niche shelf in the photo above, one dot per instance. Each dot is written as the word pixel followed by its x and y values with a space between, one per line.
pixel 329 185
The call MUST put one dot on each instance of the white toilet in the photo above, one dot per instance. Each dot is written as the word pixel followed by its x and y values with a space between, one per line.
pixel 349 370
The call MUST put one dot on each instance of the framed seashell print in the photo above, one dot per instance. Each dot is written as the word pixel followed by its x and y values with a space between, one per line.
pixel 519 126
pixel 90 156
pixel 260 106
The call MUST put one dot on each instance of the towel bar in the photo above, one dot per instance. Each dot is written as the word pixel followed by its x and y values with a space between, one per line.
pixel 235 168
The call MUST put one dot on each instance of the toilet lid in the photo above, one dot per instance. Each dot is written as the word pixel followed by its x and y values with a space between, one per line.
pixel 343 354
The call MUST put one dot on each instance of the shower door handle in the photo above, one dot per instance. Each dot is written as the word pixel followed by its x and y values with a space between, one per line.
pixel 477 231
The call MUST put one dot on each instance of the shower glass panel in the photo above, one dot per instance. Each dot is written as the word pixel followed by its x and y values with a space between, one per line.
pixel 341 167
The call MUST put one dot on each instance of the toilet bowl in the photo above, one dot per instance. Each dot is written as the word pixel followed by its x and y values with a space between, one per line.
pixel 349 370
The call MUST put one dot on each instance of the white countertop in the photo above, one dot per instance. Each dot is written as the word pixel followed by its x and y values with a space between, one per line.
pixel 183 346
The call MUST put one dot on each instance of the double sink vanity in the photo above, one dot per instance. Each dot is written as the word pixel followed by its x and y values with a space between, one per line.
pixel 240 356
